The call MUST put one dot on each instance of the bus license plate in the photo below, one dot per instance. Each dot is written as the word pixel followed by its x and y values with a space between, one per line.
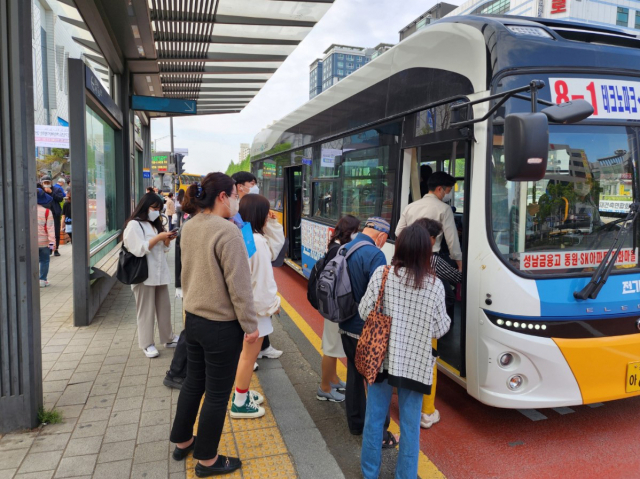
pixel 633 377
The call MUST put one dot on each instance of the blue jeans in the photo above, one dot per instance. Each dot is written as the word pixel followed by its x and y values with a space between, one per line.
pixel 44 255
pixel 378 401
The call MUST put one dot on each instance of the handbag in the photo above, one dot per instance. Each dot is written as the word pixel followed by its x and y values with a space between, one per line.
pixel 374 340
pixel 132 269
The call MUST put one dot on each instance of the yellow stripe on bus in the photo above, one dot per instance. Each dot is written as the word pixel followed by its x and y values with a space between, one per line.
pixel 426 468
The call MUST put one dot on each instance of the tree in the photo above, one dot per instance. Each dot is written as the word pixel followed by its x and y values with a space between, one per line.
pixel 244 165
pixel 55 164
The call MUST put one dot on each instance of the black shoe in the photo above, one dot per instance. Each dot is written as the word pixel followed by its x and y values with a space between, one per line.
pixel 356 432
pixel 224 465
pixel 180 454
pixel 173 381
pixel 56 253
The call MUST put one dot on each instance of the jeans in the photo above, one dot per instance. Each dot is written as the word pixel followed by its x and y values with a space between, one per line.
pixel 178 366
pixel 44 258
pixel 56 228
pixel 409 404
pixel 213 351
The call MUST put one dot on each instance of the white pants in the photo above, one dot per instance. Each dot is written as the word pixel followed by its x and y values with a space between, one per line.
pixel 152 302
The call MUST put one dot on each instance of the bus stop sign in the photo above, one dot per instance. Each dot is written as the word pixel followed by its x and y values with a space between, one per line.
pixel 163 105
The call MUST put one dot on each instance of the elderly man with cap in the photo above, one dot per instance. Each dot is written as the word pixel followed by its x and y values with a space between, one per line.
pixel 361 264
pixel 58 194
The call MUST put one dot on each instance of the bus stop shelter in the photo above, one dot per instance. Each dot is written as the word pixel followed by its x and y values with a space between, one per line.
pixel 142 59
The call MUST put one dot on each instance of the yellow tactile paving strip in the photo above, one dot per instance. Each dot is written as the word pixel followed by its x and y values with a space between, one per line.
pixel 257 442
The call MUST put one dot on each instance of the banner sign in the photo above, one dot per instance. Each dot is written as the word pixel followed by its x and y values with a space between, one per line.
pixel 146 172
pixel 315 238
pixel 328 158
pixel 573 259
pixel 159 163
pixel 611 99
pixel 607 206
pixel 52 136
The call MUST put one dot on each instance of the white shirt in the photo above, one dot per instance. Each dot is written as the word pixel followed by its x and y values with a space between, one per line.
pixel 265 289
pixel 137 242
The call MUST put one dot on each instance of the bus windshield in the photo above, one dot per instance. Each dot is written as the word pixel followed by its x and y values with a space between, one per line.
pixel 566 222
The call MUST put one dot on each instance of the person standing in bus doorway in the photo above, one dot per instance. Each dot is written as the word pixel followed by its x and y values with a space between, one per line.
pixel 433 206
pixel 247 183
pixel 361 265
pixel 171 210
pixel 414 299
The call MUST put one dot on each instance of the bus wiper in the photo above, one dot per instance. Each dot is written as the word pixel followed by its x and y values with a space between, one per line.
pixel 600 276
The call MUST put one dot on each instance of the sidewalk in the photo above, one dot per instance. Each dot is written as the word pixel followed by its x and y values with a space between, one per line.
pixel 116 412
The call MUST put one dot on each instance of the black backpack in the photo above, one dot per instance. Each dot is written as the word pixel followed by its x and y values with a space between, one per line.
pixel 312 297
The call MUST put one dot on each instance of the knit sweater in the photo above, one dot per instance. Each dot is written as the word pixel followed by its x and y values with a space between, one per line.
pixel 417 316
pixel 215 272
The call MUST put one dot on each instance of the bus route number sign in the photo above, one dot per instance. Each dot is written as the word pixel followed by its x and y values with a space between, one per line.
pixel 611 99
pixel 633 377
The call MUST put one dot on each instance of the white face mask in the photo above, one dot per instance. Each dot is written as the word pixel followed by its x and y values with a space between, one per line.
pixel 447 197
pixel 153 215
pixel 233 207
pixel 353 236
pixel 254 190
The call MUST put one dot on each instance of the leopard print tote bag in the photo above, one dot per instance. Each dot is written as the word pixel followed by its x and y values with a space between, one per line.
pixel 374 340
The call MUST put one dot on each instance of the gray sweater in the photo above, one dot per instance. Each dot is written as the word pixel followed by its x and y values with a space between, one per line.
pixel 215 271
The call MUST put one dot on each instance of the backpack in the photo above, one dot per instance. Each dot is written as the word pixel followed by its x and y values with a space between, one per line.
pixel 312 297
pixel 333 289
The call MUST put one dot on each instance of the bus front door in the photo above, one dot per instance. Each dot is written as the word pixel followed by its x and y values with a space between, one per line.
pixel 450 157
pixel 293 212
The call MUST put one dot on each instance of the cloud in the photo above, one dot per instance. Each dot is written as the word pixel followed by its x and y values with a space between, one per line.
pixel 214 140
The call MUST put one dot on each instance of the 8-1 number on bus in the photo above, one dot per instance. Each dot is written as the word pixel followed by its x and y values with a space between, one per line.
pixel 615 99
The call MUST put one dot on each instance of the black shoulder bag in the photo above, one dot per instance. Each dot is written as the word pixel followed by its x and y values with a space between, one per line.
pixel 132 269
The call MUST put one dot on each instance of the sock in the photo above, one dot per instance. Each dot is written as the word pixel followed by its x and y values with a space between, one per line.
pixel 241 397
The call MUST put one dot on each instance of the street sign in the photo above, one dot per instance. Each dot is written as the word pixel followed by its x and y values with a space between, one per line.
pixel 146 172
pixel 163 105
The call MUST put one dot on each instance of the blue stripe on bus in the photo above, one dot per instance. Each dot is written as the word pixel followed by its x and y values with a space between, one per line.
pixel 557 301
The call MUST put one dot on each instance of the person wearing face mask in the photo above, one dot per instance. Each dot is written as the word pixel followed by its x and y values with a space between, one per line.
pixel 144 235
pixel 361 265
pixel 331 386
pixel 434 206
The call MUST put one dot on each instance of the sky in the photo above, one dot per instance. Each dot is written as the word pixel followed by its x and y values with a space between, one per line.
pixel 214 140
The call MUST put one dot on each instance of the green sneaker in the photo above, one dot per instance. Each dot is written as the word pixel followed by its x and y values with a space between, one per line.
pixel 257 397
pixel 249 410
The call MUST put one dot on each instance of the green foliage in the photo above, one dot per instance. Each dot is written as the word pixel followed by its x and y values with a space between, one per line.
pixel 244 165
pixel 49 417
pixel 55 164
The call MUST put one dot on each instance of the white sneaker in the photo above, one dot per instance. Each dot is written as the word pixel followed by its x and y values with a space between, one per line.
pixel 428 420
pixel 270 353
pixel 43 284
pixel 173 343
pixel 151 352
pixel 46 283
pixel 255 366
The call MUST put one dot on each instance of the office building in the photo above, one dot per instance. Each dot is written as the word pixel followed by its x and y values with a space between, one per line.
pixel 434 13
pixel 245 149
pixel 338 62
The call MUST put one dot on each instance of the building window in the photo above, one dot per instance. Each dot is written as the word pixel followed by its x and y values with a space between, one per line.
pixel 493 7
pixel 349 65
pixel 340 56
pixel 622 18
pixel 340 64
pixel 638 20
pixel 350 57
pixel 358 59
pixel 340 72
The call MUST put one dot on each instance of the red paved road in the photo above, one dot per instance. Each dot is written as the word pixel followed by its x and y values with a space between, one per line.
pixel 477 441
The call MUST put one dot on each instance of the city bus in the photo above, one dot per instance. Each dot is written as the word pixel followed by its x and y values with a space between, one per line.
pixel 187 179
pixel 521 335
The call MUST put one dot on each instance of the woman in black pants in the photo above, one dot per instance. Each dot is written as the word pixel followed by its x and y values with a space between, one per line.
pixel 218 303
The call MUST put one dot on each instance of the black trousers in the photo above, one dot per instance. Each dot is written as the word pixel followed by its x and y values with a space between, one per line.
pixel 213 351
pixel 355 394
pixel 178 366
pixel 56 227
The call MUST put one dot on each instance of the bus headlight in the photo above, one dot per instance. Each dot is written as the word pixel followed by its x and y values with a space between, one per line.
pixel 505 360
pixel 515 382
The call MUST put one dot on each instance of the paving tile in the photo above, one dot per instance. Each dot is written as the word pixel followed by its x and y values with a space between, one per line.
pixel 95 414
pixel 116 451
pixel 156 404
pixel 157 391
pixel 66 426
pixel 62 365
pixel 131 391
pixel 76 466
pixel 120 418
pixel 154 418
pixel 57 375
pixel 43 461
pixel 10 442
pixel 100 401
pixel 127 403
pixel 71 411
pixel 84 446
pixel 90 429
pixel 121 433
pixel 151 452
pixel 155 470
pixel 102 389
pixel 85 367
pixel 134 380
pixel 35 475
pixel 153 433
pixel 260 442
pixel 54 442
pixel 11 459
pixel 53 386
pixel 136 371
pixel 83 377
pixel 75 394
pixel 113 470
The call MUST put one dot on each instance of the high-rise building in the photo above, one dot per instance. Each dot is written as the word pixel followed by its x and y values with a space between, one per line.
pixel 436 12
pixel 245 149
pixel 338 62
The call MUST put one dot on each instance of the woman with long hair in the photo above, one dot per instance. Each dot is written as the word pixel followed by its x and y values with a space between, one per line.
pixel 219 314
pixel 145 236
pixel 254 209
pixel 331 386
pixel 414 298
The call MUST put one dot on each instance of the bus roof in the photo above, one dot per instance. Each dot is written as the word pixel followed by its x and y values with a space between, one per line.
pixel 410 75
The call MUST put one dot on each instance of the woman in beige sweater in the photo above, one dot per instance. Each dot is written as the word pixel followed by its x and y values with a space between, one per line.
pixel 220 314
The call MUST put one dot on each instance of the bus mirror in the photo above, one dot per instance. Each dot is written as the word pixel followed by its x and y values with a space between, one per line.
pixel 526 146
pixel 569 112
